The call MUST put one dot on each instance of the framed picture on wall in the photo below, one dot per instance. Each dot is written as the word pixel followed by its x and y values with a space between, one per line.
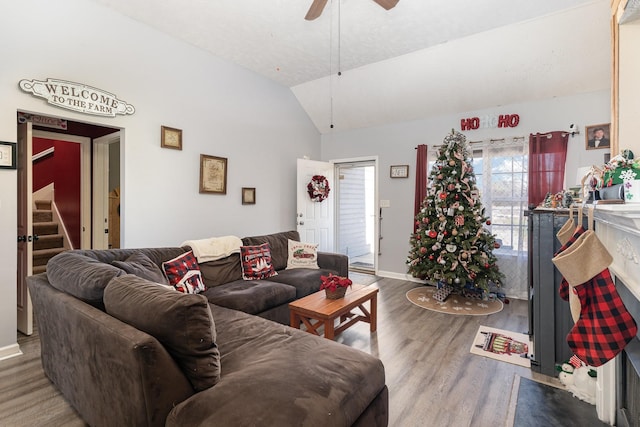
pixel 597 136
pixel 7 155
pixel 399 171
pixel 248 196
pixel 171 138
pixel 213 174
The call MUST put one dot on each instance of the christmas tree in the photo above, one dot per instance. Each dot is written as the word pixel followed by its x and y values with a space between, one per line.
pixel 450 244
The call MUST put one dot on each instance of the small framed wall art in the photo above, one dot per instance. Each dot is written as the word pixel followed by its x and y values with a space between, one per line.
pixel 399 171
pixel 248 196
pixel 7 155
pixel 597 136
pixel 171 138
pixel 213 174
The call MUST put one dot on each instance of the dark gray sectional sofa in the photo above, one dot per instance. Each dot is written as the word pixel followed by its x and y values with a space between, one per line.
pixel 111 343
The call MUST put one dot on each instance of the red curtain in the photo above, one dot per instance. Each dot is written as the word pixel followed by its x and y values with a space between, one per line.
pixel 547 157
pixel 421 180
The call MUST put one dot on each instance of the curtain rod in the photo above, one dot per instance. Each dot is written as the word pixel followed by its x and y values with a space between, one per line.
pixel 478 142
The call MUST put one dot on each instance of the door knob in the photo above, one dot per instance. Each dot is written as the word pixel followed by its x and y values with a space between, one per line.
pixel 22 239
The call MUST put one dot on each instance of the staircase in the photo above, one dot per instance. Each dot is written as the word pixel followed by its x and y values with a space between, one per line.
pixel 49 243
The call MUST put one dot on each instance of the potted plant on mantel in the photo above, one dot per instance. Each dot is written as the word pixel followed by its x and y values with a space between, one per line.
pixel 334 286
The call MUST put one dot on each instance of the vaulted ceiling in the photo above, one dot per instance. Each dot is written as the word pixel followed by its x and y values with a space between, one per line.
pixel 419 59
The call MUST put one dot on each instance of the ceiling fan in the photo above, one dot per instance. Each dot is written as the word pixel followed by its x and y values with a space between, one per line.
pixel 318 6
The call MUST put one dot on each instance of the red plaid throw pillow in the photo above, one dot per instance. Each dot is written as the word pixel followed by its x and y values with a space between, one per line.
pixel 256 262
pixel 184 274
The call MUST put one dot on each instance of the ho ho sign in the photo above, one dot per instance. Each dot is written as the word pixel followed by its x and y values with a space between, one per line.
pixel 77 97
pixel 490 121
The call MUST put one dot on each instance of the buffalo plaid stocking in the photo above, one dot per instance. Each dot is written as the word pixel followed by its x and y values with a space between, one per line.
pixel 605 326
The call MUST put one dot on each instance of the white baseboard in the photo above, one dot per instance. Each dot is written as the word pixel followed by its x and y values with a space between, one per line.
pixel 10 351
pixel 399 276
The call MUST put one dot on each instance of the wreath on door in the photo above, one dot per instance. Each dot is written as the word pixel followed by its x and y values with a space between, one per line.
pixel 318 188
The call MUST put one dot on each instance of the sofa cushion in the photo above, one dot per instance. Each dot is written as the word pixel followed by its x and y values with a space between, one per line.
pixel 290 377
pixel 221 271
pixel 251 297
pixel 81 276
pixel 184 274
pixel 85 273
pixel 279 244
pixel 305 280
pixel 256 262
pixel 181 322
pixel 302 255
pixel 142 266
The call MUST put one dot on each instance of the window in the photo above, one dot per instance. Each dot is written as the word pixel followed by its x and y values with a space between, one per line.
pixel 502 179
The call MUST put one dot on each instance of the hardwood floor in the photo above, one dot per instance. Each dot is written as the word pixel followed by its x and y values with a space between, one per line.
pixel 433 380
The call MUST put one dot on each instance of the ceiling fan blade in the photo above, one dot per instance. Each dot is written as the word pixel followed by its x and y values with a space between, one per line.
pixel 315 10
pixel 387 4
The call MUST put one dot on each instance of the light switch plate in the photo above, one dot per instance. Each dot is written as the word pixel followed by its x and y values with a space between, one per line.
pixel 385 203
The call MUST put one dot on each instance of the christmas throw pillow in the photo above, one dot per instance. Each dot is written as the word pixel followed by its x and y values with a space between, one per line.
pixel 184 274
pixel 256 262
pixel 302 255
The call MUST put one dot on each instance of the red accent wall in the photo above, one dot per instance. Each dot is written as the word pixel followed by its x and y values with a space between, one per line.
pixel 63 169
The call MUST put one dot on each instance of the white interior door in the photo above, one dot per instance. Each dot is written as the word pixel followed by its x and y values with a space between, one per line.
pixel 101 189
pixel 315 219
pixel 25 226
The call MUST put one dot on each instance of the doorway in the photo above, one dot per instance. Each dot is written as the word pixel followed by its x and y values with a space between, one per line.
pixel 62 204
pixel 356 218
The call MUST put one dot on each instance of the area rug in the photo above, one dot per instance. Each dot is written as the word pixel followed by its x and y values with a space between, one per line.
pixel 454 304
pixel 506 346
pixel 544 405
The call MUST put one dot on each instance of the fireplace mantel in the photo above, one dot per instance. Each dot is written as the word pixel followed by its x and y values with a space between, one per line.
pixel 618 227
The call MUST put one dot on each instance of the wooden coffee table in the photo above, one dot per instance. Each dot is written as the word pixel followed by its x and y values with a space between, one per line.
pixel 317 310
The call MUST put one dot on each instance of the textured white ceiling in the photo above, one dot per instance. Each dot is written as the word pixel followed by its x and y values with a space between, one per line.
pixel 272 38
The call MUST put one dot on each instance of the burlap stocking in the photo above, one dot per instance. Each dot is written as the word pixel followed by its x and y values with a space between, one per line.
pixel 566 231
pixel 605 326
pixel 563 291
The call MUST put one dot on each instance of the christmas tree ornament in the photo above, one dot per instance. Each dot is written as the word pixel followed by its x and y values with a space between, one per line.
pixel 433 234
pixel 431 257
pixel 452 163
pixel 443 196
pixel 488 222
pixel 451 248
pixel 496 245
pixel 454 232
pixel 456 280
pixel 423 250
pixel 457 197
